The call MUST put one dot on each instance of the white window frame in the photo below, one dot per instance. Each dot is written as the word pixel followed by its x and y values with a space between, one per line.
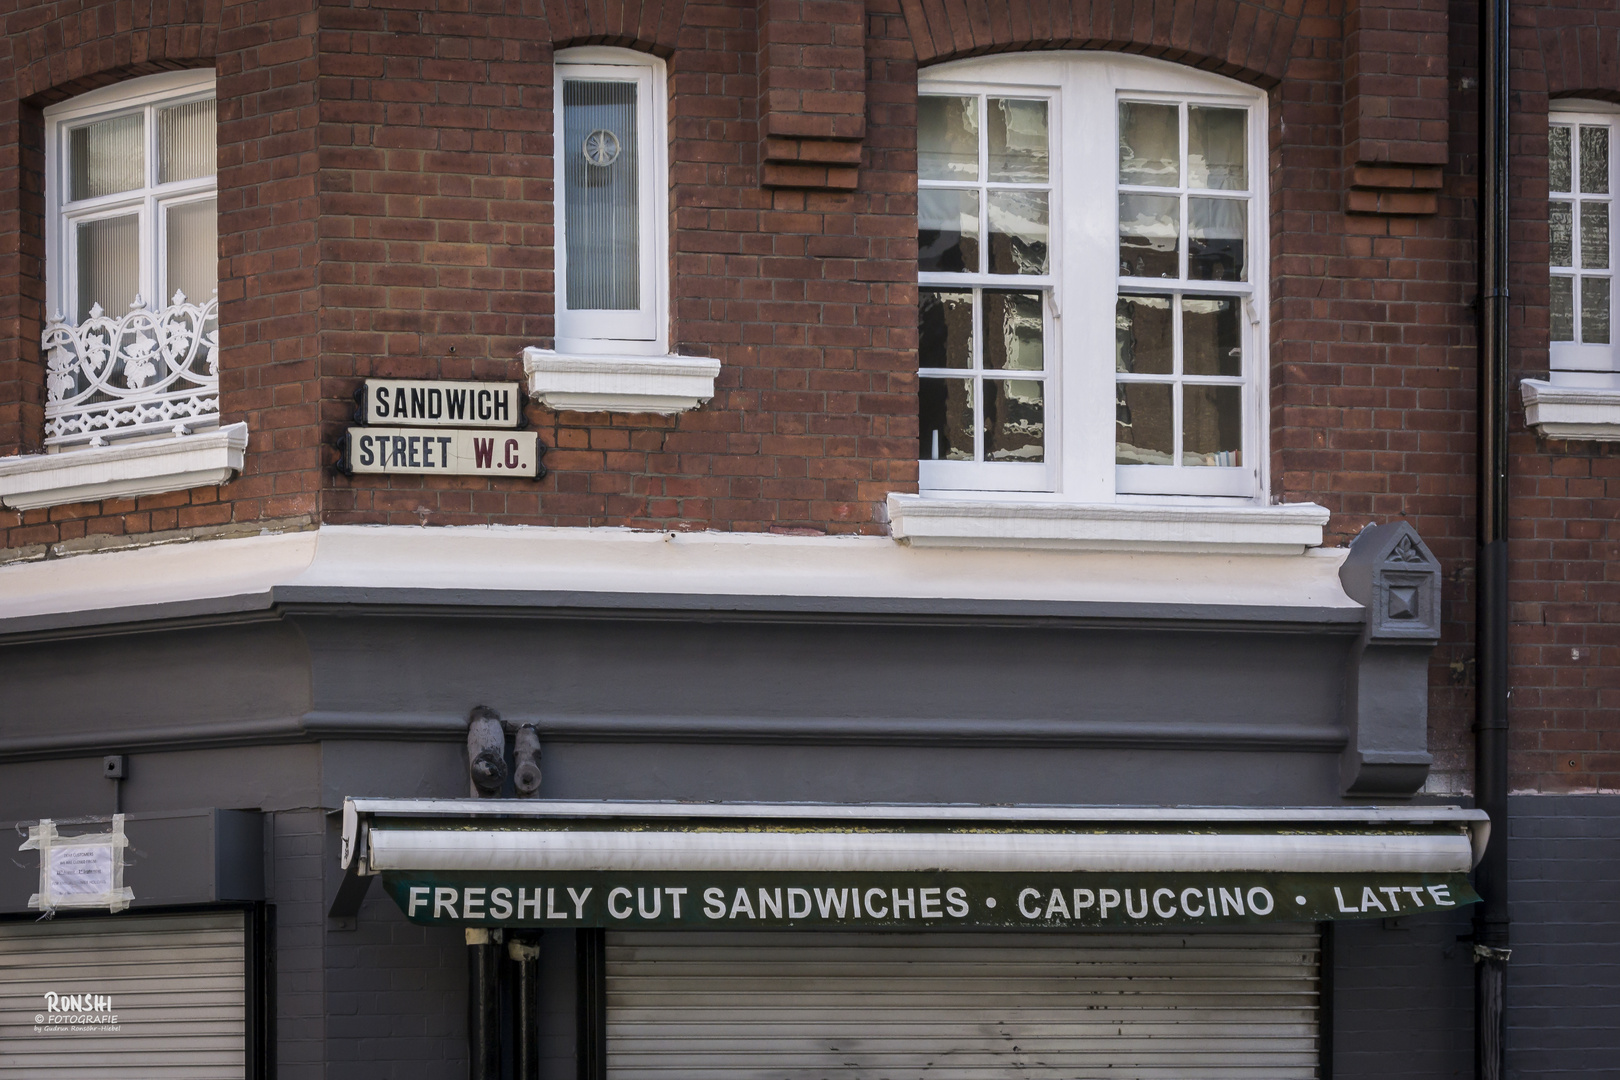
pixel 1573 363
pixel 1086 89
pixel 150 202
pixel 644 332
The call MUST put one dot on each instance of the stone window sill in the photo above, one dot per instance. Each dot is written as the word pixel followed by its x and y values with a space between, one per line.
pixel 935 521
pixel 1571 412
pixel 123 470
pixel 619 383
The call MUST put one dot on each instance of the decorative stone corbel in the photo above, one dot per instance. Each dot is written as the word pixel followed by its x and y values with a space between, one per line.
pixel 1395 577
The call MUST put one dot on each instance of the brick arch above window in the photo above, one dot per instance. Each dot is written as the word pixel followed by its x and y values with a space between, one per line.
pixel 77 52
pixel 625 24
pixel 1250 40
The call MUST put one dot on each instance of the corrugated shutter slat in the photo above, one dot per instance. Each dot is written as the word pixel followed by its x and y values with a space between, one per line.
pixel 808 1006
pixel 177 984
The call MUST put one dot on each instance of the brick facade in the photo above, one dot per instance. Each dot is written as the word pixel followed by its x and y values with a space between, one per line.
pixel 386 210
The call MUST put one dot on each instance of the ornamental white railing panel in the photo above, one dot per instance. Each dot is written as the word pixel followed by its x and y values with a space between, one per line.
pixel 144 372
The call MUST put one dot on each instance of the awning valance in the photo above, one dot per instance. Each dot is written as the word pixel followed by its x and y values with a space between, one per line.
pixel 540 862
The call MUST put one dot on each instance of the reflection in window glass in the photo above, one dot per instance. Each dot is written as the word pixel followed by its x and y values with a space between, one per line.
pixel 1017 137
pixel 1143 335
pixel 1149 144
pixel 947 138
pixel 1211 336
pixel 1144 424
pixel 948 231
pixel 1562 309
pixel 107 157
pixel 1014 335
pixel 1149 235
pixel 945 329
pixel 1217 148
pixel 1014 420
pixel 1212 426
pixel 1560 230
pixel 1217 230
pixel 1594 311
pixel 1558 158
pixel 945 419
pixel 1594 160
pixel 1019 232
pixel 1595 235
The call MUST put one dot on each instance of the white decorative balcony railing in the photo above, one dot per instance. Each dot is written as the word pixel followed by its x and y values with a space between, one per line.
pixel 145 372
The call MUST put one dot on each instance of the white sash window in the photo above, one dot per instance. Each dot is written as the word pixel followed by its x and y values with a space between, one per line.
pixel 132 255
pixel 612 262
pixel 1091 256
pixel 1581 182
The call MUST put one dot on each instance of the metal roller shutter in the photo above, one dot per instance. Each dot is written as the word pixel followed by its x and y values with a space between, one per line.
pixel 810 1005
pixel 176 984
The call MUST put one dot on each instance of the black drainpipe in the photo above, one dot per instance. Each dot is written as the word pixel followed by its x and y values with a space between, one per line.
pixel 1491 612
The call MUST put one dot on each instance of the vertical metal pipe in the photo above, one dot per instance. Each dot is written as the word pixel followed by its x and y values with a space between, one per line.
pixel 1491 611
pixel 525 956
pixel 483 1007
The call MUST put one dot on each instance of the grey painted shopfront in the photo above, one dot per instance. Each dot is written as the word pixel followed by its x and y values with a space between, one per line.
pixel 246 720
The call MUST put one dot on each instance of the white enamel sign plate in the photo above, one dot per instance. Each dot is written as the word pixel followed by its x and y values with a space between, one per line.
pixel 428 403
pixel 445 452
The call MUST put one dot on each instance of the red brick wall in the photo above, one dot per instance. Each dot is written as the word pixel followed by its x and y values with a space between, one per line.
pixel 385 179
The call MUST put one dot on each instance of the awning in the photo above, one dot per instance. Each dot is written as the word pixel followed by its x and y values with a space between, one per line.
pixel 774 865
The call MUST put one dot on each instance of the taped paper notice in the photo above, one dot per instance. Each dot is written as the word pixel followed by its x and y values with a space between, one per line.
pixel 79 871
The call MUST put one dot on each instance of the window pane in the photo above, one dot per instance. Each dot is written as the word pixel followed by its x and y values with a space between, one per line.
pixel 945 419
pixel 1149 230
pixel 945 329
pixel 601 194
pixel 186 141
pixel 1212 425
pixel 1014 336
pixel 1594 311
pixel 1149 144
pixel 1594 235
pixel 1560 223
pixel 1595 160
pixel 1014 420
pixel 1211 336
pixel 948 231
pixel 109 264
pixel 193 251
pixel 947 138
pixel 1144 424
pixel 1018 232
pixel 1562 315
pixel 1143 338
pixel 1558 159
pixel 1216 232
pixel 106 157
pixel 1217 148
pixel 1018 140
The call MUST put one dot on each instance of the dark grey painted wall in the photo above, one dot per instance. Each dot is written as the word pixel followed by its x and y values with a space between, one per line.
pixel 1563 993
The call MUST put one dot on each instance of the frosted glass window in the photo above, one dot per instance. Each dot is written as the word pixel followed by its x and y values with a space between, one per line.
pixel 109 261
pixel 1594 311
pixel 186 141
pixel 1562 314
pixel 107 157
pixel 191 237
pixel 1594 160
pixel 600 170
pixel 1558 158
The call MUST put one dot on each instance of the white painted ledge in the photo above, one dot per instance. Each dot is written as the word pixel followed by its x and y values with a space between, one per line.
pixel 931 521
pixel 617 383
pixel 123 470
pixel 1571 412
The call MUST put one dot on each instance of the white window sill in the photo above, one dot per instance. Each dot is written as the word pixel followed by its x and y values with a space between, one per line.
pixel 933 521
pixel 619 383
pixel 1571 412
pixel 123 470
